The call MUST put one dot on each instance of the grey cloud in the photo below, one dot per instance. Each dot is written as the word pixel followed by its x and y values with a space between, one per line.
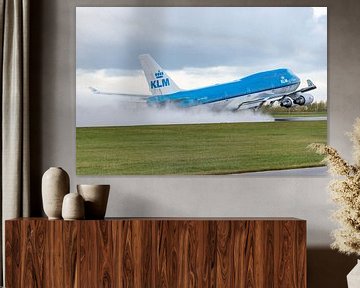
pixel 112 38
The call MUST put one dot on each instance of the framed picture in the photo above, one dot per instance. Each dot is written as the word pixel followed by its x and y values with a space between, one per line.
pixel 199 90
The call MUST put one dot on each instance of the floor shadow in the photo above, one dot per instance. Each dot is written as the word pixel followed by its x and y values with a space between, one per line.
pixel 328 268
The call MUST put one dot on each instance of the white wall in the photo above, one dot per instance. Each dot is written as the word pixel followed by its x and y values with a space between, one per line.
pixel 53 128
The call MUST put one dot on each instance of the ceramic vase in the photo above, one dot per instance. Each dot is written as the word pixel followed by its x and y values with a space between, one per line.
pixel 353 278
pixel 55 185
pixel 73 207
pixel 96 198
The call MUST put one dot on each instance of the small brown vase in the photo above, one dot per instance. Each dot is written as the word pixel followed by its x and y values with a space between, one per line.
pixel 96 198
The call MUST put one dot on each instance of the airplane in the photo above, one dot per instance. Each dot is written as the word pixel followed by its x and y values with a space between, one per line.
pixel 250 92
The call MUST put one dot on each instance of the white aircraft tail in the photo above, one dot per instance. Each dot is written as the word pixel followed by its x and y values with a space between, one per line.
pixel 159 82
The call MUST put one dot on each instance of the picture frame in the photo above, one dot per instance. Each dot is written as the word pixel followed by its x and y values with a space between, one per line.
pixel 146 155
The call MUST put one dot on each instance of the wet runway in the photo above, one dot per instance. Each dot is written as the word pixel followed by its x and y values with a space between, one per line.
pixel 304 172
pixel 320 118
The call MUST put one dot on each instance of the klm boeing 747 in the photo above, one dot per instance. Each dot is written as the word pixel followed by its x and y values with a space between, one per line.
pixel 250 92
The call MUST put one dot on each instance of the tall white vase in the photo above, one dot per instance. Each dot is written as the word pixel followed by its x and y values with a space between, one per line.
pixel 353 278
pixel 55 185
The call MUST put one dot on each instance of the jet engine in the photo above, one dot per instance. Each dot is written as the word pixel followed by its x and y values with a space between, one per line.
pixel 301 99
pixel 304 99
pixel 287 102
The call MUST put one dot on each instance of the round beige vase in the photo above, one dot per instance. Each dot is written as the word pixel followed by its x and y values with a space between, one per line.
pixel 55 185
pixel 96 198
pixel 73 207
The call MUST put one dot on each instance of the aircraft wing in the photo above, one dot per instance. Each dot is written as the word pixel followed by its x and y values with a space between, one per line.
pixel 310 86
pixel 258 103
pixel 126 97
pixel 293 94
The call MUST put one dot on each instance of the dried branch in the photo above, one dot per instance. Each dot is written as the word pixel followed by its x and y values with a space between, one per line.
pixel 345 192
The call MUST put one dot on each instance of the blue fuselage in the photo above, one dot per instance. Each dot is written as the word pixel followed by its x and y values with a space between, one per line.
pixel 251 88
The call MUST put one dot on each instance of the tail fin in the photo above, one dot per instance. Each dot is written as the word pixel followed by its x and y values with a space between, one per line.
pixel 159 82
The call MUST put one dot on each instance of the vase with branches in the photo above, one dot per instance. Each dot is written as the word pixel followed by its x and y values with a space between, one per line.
pixel 345 192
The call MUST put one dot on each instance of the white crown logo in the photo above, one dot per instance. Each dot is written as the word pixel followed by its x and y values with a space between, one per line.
pixel 159 74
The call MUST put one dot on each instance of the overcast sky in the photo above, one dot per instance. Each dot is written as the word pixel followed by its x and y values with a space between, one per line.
pixel 197 46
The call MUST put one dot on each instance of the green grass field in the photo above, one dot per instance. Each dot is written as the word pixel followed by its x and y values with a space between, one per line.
pixel 198 148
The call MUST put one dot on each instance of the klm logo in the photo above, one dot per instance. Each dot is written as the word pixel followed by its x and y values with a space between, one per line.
pixel 160 81
pixel 283 80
